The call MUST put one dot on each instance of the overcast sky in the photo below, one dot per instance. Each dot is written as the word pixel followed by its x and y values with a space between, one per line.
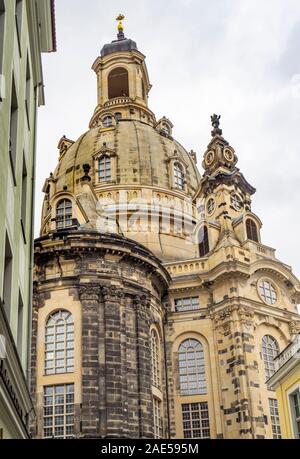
pixel 237 58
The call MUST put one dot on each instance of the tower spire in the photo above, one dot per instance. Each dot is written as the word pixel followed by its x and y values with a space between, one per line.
pixel 120 27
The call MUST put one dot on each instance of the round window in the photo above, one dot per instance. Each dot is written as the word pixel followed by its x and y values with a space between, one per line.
pixel 236 201
pixel 107 121
pixel 267 292
pixel 210 207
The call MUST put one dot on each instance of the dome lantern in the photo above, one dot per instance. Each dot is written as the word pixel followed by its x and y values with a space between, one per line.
pixel 122 81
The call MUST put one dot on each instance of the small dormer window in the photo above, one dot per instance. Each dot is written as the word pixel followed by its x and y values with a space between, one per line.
pixel 251 230
pixel 64 214
pixel 166 129
pixel 203 241
pixel 105 169
pixel 178 176
pixel 107 121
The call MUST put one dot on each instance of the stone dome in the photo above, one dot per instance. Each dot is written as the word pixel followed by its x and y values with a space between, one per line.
pixel 125 44
pixel 142 154
pixel 127 165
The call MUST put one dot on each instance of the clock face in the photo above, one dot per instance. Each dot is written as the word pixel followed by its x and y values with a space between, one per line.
pixel 209 159
pixel 237 202
pixel 228 155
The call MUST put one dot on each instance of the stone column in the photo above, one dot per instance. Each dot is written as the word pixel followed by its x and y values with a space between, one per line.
pixel 89 297
pixel 115 371
pixel 143 318
pixel 235 345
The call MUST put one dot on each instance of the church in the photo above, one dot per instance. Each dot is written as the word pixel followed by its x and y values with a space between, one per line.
pixel 157 308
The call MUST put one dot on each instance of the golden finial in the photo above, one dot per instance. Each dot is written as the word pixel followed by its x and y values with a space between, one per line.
pixel 120 25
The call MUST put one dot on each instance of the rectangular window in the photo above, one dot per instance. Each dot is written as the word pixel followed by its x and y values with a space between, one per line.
pixel 28 93
pixel 20 325
pixel 157 417
pixel 24 199
pixel 19 15
pixel 8 262
pixel 2 27
pixel 295 405
pixel 195 420
pixel 13 134
pixel 105 169
pixel 59 411
pixel 187 304
pixel 274 414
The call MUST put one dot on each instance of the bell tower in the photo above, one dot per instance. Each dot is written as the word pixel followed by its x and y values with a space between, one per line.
pixel 226 193
pixel 122 82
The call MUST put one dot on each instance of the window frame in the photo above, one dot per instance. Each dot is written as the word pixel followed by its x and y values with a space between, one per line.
pixel 275 420
pixel 155 359
pixel 106 124
pixel 178 176
pixel 157 418
pixel 61 220
pixel 252 230
pixel 106 177
pixel 261 288
pixel 266 352
pixel 194 306
pixel 210 210
pixel 2 39
pixel 295 418
pixel 197 377
pixel 59 348
pixel 189 420
pixel 53 394
pixel 203 245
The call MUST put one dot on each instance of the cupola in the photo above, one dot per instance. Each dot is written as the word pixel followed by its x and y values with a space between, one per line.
pixel 122 81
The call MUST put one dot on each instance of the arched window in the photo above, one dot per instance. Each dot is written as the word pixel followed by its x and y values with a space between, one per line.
pixel 270 350
pixel 105 169
pixel 59 343
pixel 178 176
pixel 203 241
pixel 155 359
pixel 143 90
pixel 191 368
pixel 118 83
pixel 251 229
pixel 64 214
pixel 118 116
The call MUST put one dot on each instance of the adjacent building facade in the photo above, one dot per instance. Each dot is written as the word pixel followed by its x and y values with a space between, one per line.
pixel 158 310
pixel 26 29
pixel 286 382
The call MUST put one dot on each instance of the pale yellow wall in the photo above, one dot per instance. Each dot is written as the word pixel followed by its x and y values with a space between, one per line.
pixel 60 300
pixel 202 331
pixel 288 385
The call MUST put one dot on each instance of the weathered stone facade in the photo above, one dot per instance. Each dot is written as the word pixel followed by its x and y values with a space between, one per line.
pixel 152 259
pixel 112 281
